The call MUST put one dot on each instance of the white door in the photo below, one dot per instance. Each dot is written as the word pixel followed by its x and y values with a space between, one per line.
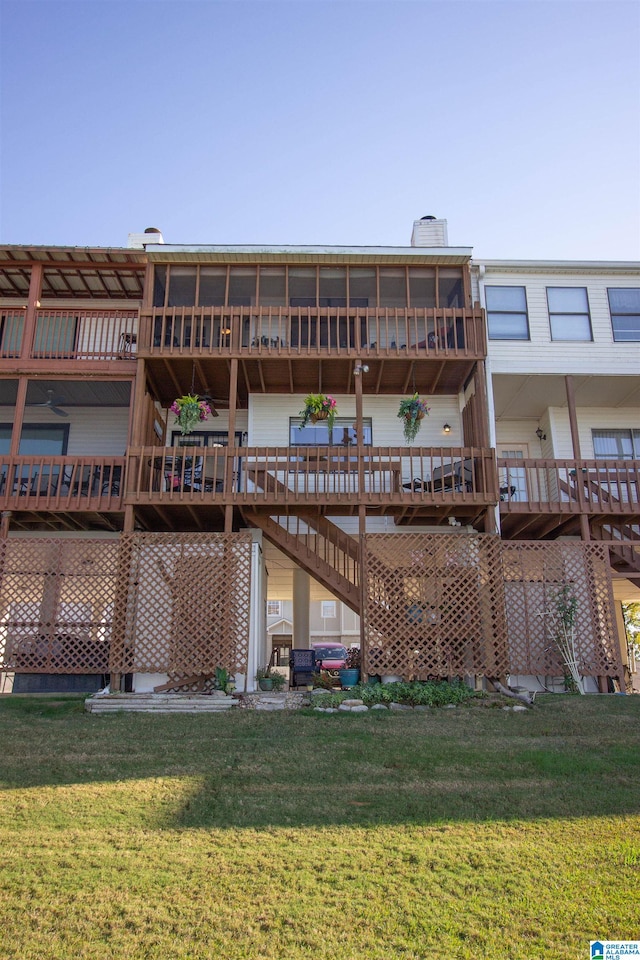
pixel 513 480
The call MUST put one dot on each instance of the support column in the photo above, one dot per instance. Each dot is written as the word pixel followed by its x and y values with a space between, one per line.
pixel 231 442
pixel 33 303
pixel 573 419
pixel 301 596
pixel 18 416
pixel 4 524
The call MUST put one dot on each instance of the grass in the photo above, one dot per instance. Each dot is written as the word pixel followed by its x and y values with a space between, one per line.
pixel 467 833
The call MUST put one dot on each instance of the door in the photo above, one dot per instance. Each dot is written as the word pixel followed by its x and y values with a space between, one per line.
pixel 513 480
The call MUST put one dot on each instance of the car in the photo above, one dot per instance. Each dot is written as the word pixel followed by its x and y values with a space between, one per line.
pixel 330 657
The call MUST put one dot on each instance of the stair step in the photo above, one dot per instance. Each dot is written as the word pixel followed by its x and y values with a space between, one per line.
pixel 158 703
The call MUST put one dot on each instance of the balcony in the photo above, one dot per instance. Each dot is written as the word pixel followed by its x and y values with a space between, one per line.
pixel 554 493
pixel 60 484
pixel 431 483
pixel 288 332
pixel 71 334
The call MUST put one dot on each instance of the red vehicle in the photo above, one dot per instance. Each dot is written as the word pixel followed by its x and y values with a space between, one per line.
pixel 330 657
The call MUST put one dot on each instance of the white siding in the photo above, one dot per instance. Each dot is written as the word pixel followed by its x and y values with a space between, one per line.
pixel 541 354
pixel 93 431
pixel 588 419
pixel 269 420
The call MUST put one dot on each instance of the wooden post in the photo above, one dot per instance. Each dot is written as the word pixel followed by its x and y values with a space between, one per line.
pixel 358 374
pixel 362 529
pixel 18 416
pixel 228 483
pixel 573 420
pixel 139 407
pixel 4 524
pixel 33 303
pixel 482 415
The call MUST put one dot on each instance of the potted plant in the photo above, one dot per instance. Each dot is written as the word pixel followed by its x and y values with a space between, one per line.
pixel 412 411
pixel 189 410
pixel 264 678
pixel 318 406
pixel 350 673
pixel 278 681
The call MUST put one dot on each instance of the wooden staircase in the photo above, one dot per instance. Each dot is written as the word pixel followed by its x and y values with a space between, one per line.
pixel 317 545
pixel 624 553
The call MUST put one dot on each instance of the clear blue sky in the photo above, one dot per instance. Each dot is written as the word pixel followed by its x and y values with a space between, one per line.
pixel 323 122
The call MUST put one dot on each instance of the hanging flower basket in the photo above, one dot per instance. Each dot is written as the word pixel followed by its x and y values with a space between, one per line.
pixel 318 406
pixel 189 410
pixel 412 412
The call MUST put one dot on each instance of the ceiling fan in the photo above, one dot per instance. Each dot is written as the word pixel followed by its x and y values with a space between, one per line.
pixel 53 403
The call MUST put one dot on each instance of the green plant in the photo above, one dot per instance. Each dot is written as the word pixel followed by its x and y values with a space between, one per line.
pixel 263 673
pixel 319 405
pixel 189 410
pixel 561 617
pixel 323 681
pixel 278 680
pixel 221 678
pixel 412 411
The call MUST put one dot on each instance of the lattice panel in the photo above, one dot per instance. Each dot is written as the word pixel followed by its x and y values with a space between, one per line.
pixel 187 604
pixel 434 605
pixel 534 573
pixel 56 604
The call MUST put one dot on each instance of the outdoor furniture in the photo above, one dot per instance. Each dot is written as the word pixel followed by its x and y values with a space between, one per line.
pixel 303 667
pixel 455 476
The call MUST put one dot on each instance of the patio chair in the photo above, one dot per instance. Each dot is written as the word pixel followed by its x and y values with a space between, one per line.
pixel 303 667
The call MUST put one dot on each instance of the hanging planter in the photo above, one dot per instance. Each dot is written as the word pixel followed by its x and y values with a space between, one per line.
pixel 412 412
pixel 318 406
pixel 190 410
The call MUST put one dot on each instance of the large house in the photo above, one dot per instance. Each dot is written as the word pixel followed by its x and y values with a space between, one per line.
pixel 131 550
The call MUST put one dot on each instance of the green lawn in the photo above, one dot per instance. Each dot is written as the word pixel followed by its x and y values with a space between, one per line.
pixel 468 833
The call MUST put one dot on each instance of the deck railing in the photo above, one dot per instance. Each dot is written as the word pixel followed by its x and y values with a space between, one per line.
pixel 61 483
pixel 300 475
pixel 71 334
pixel 291 331
pixel 569 486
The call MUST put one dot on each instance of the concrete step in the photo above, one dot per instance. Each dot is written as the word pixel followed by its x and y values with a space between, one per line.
pixel 158 703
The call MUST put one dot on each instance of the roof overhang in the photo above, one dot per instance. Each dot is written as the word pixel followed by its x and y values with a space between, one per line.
pixel 557 266
pixel 171 253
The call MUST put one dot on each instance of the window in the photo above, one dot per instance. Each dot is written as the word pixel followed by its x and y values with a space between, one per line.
pixel 616 444
pixel 507 313
pixel 273 286
pixel 207 438
pixel 302 286
pixel 55 335
pixel 328 609
pixel 182 287
pixel 213 286
pixel 333 287
pixel 393 287
pixel 569 313
pixel 624 305
pixel 363 287
pixel 242 287
pixel 422 286
pixel 450 287
pixel 42 440
pixel 11 326
pixel 318 435
pixel 274 608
